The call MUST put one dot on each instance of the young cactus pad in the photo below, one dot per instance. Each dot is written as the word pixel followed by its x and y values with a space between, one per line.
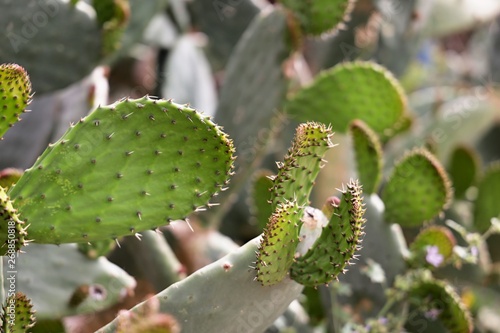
pixel 368 153
pixel 338 242
pixel 417 191
pixel 357 90
pixel 15 93
pixel 319 16
pixel 17 316
pixel 131 166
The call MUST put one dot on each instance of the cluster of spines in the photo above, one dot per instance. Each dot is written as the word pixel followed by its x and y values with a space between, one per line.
pixel 18 314
pixel 12 229
pixel 15 95
pixel 336 246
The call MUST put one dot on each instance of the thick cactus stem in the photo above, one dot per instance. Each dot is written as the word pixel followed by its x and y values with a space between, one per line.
pixel 417 191
pixel 338 242
pixel 128 167
pixel 18 314
pixel 15 94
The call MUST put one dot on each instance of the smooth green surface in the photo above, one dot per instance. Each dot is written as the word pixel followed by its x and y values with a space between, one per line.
pixel 417 191
pixel 339 240
pixel 368 155
pixel 463 168
pixel 15 93
pixel 261 197
pixel 486 204
pixel 128 167
pixel 353 90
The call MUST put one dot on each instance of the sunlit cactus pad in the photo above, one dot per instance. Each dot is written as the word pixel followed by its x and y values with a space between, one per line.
pixel 339 240
pixel 357 90
pixel 133 165
pixel 15 93
pixel 417 191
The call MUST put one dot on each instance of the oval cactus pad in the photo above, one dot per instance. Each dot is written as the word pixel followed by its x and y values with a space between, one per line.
pixel 131 166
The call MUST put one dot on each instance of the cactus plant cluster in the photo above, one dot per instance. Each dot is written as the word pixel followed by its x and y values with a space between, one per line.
pixel 215 222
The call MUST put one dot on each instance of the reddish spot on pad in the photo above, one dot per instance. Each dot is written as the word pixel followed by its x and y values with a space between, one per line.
pixel 227 266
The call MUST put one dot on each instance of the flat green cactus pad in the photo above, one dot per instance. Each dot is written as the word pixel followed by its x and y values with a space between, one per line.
pixel 12 231
pixel 278 244
pixel 432 295
pixel 302 163
pixel 417 191
pixel 338 242
pixel 15 93
pixel 463 168
pixel 443 241
pixel 357 90
pixel 131 166
pixel 368 154
pixel 18 314
pixel 319 16
pixel 486 205
pixel 261 197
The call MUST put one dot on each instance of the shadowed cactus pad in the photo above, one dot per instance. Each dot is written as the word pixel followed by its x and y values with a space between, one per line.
pixel 15 93
pixel 486 205
pixel 357 90
pixel 131 166
pixel 319 16
pixel 338 242
pixel 17 314
pixel 417 191
pixel 463 168
pixel 368 153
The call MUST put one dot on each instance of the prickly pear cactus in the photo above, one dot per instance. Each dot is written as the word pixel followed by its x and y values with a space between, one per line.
pixel 17 316
pixel 339 240
pixel 12 229
pixel 127 167
pixel 15 94
pixel 418 189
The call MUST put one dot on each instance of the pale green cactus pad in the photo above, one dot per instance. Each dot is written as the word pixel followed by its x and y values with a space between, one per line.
pixel 338 242
pixel 18 314
pixel 348 91
pixel 417 191
pixel 463 168
pixel 277 249
pixel 131 166
pixel 319 16
pixel 12 229
pixel 486 205
pixel 368 154
pixel 438 237
pixel 15 94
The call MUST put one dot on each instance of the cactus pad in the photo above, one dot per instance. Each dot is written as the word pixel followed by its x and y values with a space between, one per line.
pixel 357 90
pixel 417 191
pixel 338 242
pixel 260 198
pixel 279 241
pixel 17 314
pixel 131 166
pixel 12 231
pixel 319 16
pixel 486 205
pixel 440 237
pixel 302 163
pixel 368 153
pixel 463 167
pixel 15 94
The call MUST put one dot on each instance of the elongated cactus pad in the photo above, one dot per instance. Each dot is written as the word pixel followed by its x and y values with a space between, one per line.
pixel 437 296
pixel 33 38
pixel 12 229
pixel 131 166
pixel 18 314
pixel 302 163
pixel 368 153
pixel 417 191
pixel 319 16
pixel 486 205
pixel 15 94
pixel 278 245
pixel 338 242
pixel 260 198
pixel 357 90
pixel 433 246
pixel 463 168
